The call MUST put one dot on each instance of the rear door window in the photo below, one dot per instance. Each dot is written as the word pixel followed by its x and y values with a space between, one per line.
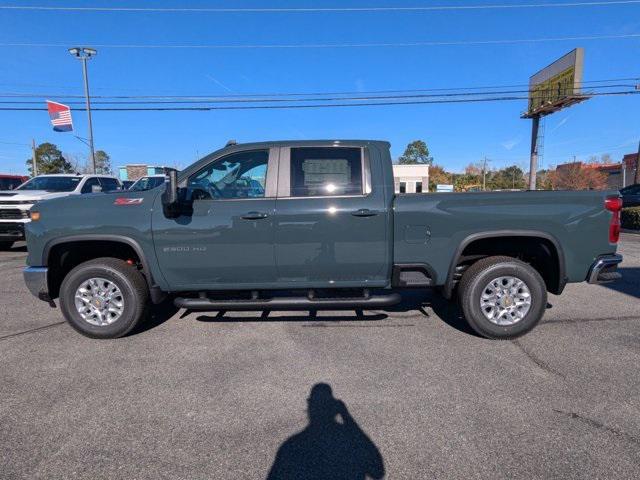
pixel 326 171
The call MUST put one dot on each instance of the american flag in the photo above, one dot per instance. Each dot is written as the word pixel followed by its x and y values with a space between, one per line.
pixel 60 116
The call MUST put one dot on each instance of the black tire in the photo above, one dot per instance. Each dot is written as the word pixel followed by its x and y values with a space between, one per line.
pixel 6 245
pixel 476 278
pixel 126 277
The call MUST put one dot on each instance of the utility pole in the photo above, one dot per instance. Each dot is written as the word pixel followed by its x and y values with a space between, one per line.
pixel 484 174
pixel 34 158
pixel 533 164
pixel 84 54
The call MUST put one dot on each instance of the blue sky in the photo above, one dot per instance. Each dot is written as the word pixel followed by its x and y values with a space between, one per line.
pixel 456 134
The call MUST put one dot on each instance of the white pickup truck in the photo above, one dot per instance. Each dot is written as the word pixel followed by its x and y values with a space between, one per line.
pixel 15 204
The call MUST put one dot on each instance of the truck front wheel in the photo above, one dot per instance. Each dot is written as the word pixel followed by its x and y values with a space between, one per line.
pixel 104 298
pixel 502 297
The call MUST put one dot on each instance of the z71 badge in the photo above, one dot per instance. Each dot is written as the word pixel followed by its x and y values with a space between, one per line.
pixel 128 201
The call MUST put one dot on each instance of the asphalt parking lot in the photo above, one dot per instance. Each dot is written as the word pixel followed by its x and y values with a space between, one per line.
pixel 226 396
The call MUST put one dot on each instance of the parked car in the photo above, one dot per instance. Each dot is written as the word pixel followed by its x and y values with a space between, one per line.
pixel 631 196
pixel 15 204
pixel 327 225
pixel 147 183
pixel 126 184
pixel 10 182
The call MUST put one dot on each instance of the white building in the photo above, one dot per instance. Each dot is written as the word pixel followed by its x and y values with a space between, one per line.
pixel 411 178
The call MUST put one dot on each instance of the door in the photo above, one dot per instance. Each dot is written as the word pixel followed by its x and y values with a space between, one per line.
pixel 224 237
pixel 331 226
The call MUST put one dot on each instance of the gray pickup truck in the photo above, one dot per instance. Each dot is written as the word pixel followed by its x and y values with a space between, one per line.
pixel 314 225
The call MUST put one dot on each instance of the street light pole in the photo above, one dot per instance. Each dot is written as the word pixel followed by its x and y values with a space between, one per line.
pixel 84 54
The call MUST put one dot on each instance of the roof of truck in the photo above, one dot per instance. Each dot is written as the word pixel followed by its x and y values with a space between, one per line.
pixel 306 143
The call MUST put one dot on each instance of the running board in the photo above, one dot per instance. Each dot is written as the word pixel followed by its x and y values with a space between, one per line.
pixel 289 303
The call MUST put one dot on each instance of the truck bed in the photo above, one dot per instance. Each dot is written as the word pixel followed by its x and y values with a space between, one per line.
pixel 434 228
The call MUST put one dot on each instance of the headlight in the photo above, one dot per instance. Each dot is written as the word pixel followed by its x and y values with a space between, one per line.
pixel 35 216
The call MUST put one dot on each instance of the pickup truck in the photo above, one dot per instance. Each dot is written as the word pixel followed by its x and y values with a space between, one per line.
pixel 15 204
pixel 310 225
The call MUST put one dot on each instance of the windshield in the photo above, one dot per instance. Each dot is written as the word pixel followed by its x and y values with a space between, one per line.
pixel 146 183
pixel 9 183
pixel 52 184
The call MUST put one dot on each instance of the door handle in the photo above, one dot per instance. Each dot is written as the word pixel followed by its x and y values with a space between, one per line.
pixel 364 212
pixel 254 216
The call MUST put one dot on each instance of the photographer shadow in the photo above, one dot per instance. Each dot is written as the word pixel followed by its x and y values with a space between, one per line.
pixel 332 446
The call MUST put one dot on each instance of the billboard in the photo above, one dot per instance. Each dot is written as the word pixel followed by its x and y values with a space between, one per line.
pixel 557 85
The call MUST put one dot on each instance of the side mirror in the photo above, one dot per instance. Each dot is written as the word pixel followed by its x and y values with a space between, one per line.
pixel 170 195
pixel 96 188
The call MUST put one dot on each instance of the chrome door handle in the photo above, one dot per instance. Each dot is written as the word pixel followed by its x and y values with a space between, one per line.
pixel 364 212
pixel 254 216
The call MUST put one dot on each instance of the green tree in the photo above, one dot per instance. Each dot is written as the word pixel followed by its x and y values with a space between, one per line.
pixel 506 179
pixel 468 182
pixel 49 159
pixel 416 152
pixel 103 162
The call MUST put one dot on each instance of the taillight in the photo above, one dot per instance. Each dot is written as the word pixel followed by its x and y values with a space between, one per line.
pixel 614 204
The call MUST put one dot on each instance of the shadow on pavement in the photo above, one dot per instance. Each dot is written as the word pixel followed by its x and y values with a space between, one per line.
pixel 332 446
pixel 158 314
pixel 629 284
pixel 412 301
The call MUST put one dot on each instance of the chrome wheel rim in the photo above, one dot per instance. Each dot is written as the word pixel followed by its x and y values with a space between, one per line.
pixel 99 301
pixel 505 300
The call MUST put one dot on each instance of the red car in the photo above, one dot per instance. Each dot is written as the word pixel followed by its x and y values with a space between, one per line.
pixel 10 182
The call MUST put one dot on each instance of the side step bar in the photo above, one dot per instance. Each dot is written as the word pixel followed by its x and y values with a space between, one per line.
pixel 289 303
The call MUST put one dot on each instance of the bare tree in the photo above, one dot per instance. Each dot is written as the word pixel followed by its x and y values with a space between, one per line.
pixel 576 176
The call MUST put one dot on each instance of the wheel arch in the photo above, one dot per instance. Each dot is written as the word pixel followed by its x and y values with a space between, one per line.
pixel 449 285
pixel 97 239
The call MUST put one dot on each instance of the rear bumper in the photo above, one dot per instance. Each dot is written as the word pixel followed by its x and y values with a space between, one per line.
pixel 36 280
pixel 604 269
pixel 11 231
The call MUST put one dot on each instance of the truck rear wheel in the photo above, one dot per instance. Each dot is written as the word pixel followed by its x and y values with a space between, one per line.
pixel 6 245
pixel 104 298
pixel 502 297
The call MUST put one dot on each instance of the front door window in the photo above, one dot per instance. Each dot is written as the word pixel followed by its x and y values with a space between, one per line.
pixel 239 175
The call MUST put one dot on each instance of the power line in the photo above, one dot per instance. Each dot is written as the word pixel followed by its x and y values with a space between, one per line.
pixel 298 106
pixel 331 45
pixel 265 99
pixel 586 83
pixel 292 94
pixel 320 9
